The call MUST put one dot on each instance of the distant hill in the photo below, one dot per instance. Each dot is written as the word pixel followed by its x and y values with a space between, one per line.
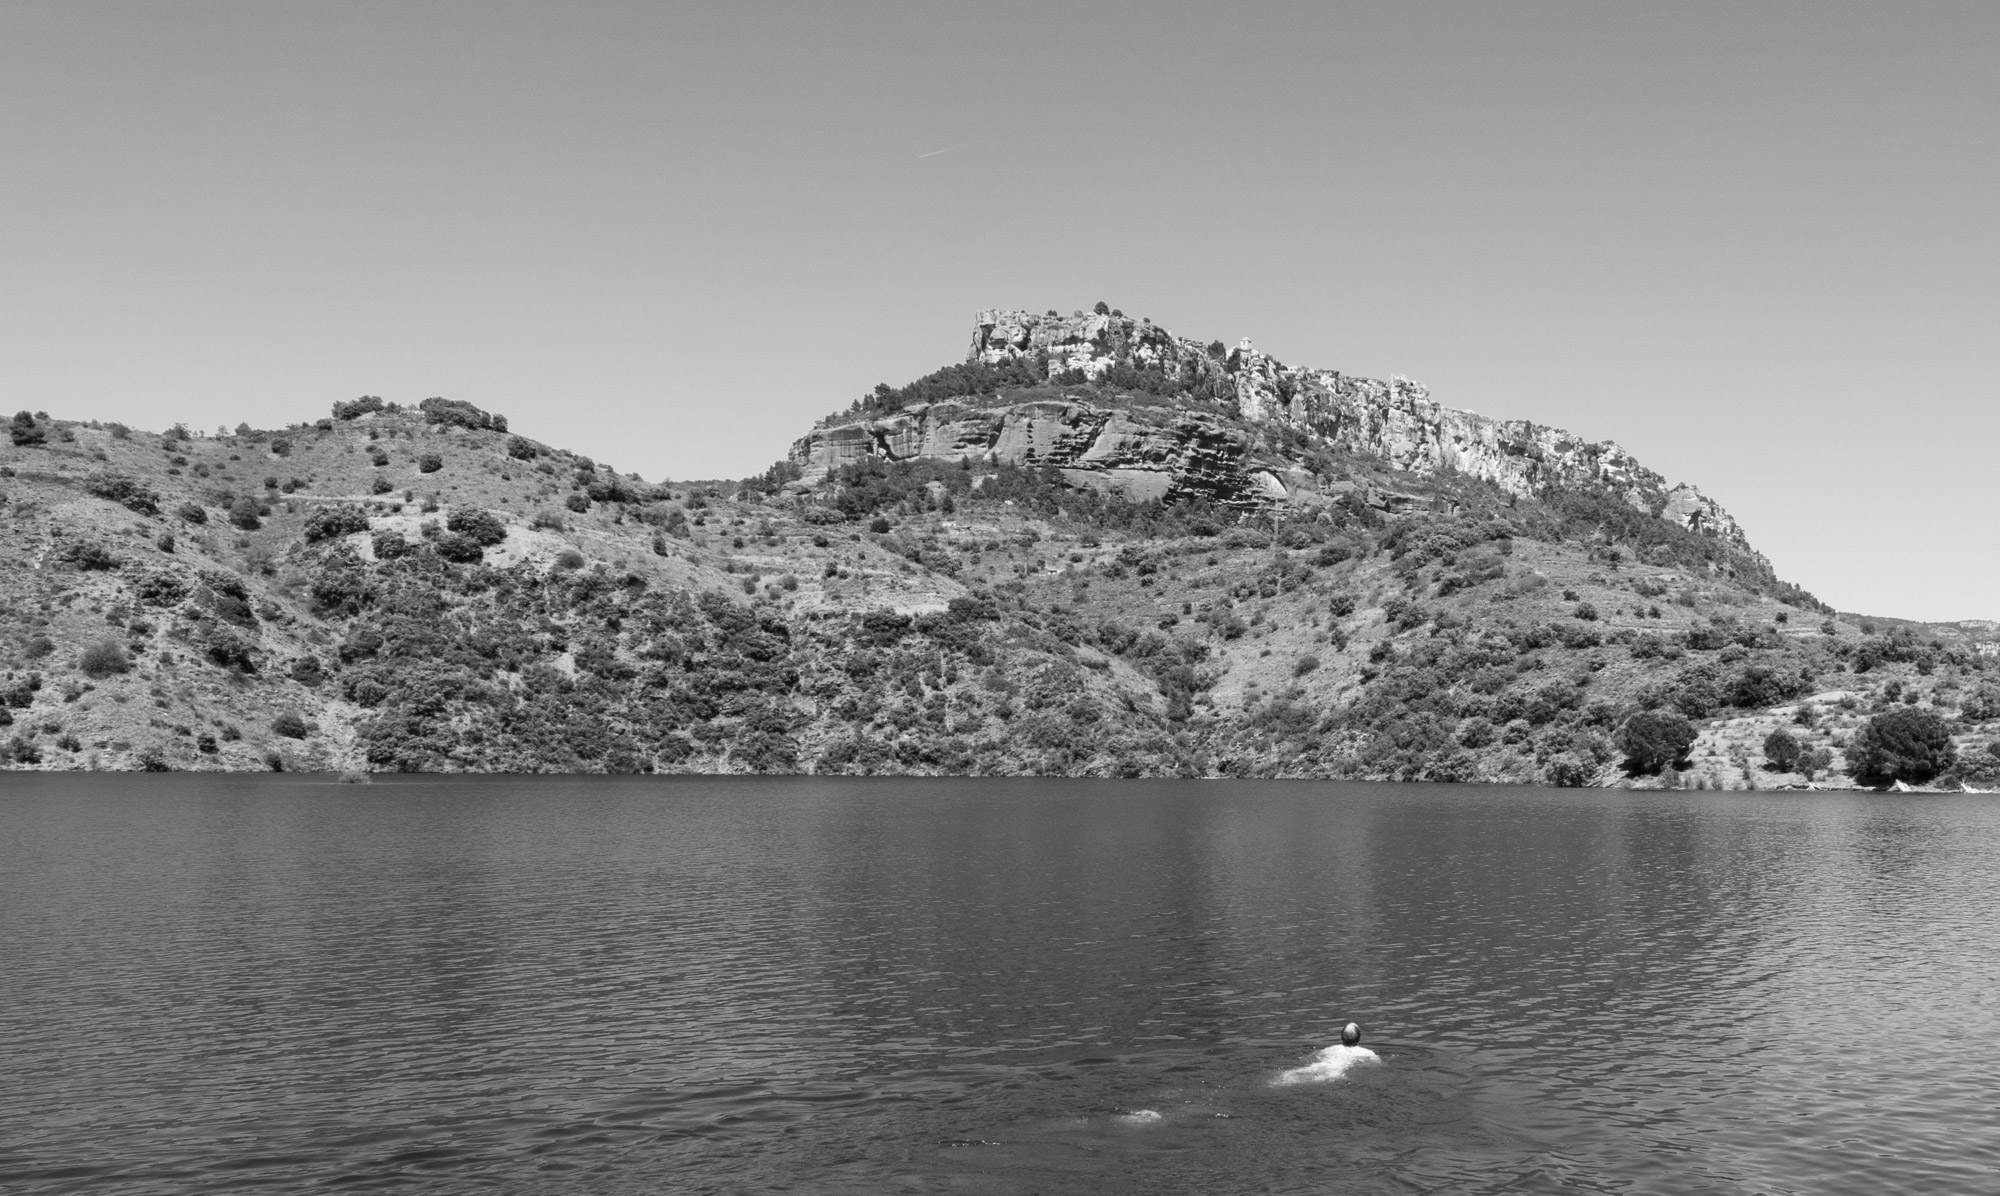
pixel 1091 547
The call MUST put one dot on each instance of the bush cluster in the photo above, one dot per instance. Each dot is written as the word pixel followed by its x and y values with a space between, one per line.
pixel 459 413
pixel 331 523
pixel 102 659
pixel 26 431
pixel 124 491
pixel 356 408
pixel 89 556
pixel 481 527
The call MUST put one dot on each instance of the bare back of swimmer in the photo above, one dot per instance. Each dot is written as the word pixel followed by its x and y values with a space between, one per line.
pixel 1333 1062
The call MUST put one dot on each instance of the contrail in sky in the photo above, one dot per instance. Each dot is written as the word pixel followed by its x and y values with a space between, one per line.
pixel 934 153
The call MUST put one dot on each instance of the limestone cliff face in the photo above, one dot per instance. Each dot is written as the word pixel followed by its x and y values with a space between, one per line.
pixel 1199 447
pixel 1142 454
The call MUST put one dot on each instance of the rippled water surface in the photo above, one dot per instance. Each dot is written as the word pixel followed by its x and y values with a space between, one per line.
pixel 278 984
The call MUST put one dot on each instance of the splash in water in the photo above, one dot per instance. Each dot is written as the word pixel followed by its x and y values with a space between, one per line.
pixel 1139 1117
pixel 1330 1064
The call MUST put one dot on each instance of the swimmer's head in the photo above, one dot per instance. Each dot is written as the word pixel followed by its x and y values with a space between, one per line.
pixel 1350 1034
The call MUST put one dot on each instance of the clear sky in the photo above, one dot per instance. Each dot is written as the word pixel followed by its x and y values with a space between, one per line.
pixel 1758 245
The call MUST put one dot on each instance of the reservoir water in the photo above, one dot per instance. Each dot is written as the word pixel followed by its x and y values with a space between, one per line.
pixel 465 984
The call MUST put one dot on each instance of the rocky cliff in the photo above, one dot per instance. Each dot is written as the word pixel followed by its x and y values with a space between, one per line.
pixel 1140 452
pixel 1196 431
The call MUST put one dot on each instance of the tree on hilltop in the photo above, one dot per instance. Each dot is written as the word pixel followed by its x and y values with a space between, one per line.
pixel 25 432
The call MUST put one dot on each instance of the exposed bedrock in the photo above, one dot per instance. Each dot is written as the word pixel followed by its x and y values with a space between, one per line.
pixel 1143 455
pixel 1201 449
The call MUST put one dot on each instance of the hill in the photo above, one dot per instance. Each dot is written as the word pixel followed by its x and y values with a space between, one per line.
pixel 1090 548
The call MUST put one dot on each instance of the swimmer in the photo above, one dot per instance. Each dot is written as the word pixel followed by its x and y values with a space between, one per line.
pixel 1333 1062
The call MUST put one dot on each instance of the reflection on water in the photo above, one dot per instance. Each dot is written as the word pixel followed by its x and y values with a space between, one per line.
pixel 989 986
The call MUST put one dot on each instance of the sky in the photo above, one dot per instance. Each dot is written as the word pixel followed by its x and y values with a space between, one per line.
pixel 1754 244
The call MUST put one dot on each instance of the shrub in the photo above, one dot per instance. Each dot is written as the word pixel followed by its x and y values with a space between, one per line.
pixel 103 659
pixel 331 523
pixel 225 649
pixel 578 502
pixel 1904 744
pixel 430 463
pixel 243 513
pixel 459 413
pixel 522 449
pixel 481 527
pixel 1647 646
pixel 1653 739
pixel 381 486
pixel 25 432
pixel 90 557
pixel 1569 771
pixel 972 608
pixel 1304 665
pixel 358 408
pixel 1982 705
pixel 1761 685
pixel 460 549
pixel 289 725
pixel 879 525
pixel 569 558
pixel 340 586
pixel 1783 751
pixel 546 521
pixel 1576 635
pixel 281 447
pixel 124 491
pixel 191 512
pixel 389 545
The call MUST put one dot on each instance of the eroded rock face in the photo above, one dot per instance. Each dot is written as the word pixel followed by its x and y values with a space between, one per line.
pixel 1143 455
pixel 1396 420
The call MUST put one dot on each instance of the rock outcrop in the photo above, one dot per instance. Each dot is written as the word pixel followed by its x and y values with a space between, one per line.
pixel 1137 452
pixel 1199 444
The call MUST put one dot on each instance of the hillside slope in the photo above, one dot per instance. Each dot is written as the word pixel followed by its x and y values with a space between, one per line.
pixel 417 589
